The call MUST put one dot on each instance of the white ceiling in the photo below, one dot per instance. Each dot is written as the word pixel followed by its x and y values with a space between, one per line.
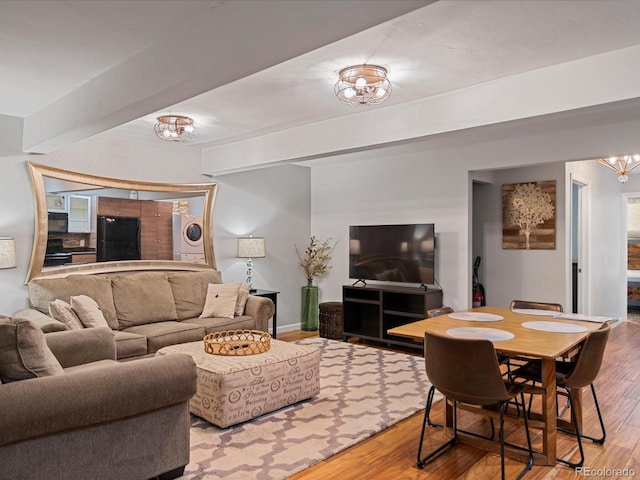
pixel 244 69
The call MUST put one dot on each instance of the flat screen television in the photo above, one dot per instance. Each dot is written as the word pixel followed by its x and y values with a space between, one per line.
pixel 393 253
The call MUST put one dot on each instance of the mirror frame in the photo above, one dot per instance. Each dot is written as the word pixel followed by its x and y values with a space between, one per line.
pixel 36 265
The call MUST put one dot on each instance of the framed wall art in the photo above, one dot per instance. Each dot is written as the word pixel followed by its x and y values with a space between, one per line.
pixel 529 215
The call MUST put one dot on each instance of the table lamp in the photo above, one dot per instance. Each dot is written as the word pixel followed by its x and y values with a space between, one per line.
pixel 250 247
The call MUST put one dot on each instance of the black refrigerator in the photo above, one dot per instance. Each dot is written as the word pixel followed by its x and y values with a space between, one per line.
pixel 118 238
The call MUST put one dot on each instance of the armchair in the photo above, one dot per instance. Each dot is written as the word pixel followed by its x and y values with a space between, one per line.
pixel 101 419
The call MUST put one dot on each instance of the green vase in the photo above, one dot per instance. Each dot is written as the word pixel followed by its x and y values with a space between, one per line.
pixel 309 304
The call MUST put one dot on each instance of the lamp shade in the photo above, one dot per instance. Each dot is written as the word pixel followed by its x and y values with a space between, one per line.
pixel 7 252
pixel 251 247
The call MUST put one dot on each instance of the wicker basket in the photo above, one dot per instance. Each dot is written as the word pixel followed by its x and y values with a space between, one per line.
pixel 330 320
pixel 237 342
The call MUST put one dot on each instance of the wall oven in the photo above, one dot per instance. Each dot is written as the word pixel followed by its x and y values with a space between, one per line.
pixel 58 222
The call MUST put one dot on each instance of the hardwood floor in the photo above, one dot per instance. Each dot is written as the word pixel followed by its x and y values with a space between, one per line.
pixel 391 454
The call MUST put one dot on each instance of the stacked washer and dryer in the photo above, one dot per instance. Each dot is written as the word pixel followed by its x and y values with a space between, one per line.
pixel 187 238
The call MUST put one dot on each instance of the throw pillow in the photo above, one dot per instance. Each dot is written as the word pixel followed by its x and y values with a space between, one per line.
pixel 221 300
pixel 243 296
pixel 24 352
pixel 62 311
pixel 88 311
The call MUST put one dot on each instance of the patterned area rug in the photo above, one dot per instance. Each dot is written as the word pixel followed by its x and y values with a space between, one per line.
pixel 363 390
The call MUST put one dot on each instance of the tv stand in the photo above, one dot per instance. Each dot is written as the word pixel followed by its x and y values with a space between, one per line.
pixel 370 310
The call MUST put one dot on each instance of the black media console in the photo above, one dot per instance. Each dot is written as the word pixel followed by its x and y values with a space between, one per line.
pixel 369 311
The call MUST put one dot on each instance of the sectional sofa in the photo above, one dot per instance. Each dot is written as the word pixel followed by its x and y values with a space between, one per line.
pixel 146 310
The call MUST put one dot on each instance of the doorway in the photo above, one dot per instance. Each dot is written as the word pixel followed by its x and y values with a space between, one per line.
pixel 579 247
pixel 632 238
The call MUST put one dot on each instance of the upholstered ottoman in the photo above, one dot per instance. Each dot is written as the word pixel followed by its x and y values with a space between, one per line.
pixel 236 389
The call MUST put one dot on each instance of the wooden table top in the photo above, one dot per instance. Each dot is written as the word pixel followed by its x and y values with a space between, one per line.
pixel 526 341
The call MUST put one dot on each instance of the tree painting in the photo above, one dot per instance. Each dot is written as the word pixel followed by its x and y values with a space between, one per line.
pixel 526 207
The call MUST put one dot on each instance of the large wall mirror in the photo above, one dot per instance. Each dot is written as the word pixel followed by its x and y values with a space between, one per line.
pixel 90 224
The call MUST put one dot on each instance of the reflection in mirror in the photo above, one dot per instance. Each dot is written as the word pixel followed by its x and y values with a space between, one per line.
pixel 90 224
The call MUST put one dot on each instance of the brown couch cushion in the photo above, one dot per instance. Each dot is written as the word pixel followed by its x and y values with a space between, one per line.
pixel 98 287
pixel 40 320
pixel 130 344
pixel 168 333
pixel 142 298
pixel 190 291
pixel 217 324
pixel 24 352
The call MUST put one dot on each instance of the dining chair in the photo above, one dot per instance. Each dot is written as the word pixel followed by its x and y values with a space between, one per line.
pixel 528 305
pixel 431 313
pixel 572 375
pixel 467 371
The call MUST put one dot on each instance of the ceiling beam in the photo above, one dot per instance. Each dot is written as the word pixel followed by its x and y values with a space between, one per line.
pixel 234 40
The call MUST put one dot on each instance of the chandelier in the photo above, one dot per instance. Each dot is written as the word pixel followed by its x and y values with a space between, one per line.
pixel 621 165
pixel 175 128
pixel 363 85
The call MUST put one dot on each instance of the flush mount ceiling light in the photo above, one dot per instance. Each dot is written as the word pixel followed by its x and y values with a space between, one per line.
pixel 363 85
pixel 621 165
pixel 175 128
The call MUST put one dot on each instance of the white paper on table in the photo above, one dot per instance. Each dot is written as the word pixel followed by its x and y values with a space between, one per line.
pixel 584 318
pixel 535 311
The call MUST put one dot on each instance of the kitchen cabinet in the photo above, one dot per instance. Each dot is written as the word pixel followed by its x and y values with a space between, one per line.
pixel 156 230
pixel 118 207
pixel 79 214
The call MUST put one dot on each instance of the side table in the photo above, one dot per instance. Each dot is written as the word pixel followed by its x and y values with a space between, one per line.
pixel 273 296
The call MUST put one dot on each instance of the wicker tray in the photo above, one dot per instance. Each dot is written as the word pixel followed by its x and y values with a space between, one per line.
pixel 237 342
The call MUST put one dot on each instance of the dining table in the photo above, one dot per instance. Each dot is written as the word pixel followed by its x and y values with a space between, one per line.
pixel 530 334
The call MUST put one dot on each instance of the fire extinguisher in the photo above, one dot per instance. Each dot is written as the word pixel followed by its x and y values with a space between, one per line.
pixel 477 299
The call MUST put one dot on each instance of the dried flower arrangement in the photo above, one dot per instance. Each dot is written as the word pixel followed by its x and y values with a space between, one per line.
pixel 526 208
pixel 315 261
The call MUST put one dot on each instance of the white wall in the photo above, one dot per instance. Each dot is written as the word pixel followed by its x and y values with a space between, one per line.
pixel 520 274
pixel 430 181
pixel 394 186
pixel 273 203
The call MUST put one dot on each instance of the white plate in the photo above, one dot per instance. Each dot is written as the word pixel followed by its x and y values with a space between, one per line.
pixel 480 333
pixel 535 311
pixel 476 316
pixel 556 327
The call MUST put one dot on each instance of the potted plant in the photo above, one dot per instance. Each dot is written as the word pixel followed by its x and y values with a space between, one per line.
pixel 314 263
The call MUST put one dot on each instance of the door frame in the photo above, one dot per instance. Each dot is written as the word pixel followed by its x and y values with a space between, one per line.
pixel 582 210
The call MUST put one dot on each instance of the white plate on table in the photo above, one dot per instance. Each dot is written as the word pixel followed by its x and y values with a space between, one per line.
pixel 480 333
pixel 476 316
pixel 555 327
